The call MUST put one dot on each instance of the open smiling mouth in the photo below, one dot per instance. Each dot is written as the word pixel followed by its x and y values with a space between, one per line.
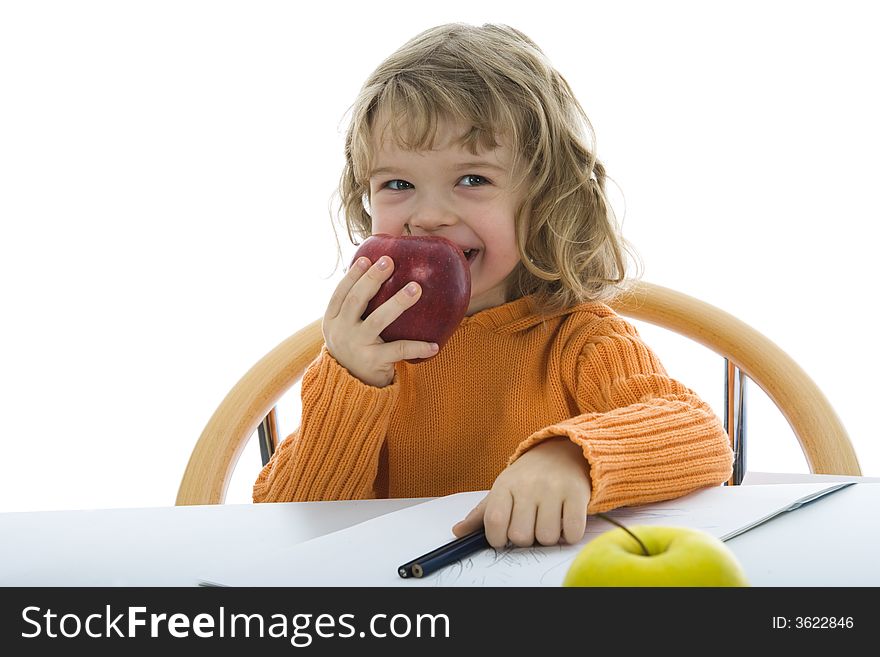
pixel 471 254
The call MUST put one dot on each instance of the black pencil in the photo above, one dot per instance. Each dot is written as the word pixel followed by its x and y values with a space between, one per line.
pixel 444 555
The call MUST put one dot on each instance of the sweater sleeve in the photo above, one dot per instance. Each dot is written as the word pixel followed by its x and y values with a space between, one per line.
pixel 334 455
pixel 646 437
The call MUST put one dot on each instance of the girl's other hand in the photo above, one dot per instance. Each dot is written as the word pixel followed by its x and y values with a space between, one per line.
pixel 355 343
pixel 542 496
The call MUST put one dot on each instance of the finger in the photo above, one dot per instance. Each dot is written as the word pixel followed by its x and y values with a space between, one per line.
pixel 351 277
pixel 472 521
pixel 522 523
pixel 402 300
pixel 355 302
pixel 391 352
pixel 548 523
pixel 496 517
pixel 574 520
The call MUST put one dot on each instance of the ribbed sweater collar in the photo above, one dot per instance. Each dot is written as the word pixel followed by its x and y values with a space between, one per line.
pixel 519 315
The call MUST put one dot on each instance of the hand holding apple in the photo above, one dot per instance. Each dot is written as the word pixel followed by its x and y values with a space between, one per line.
pixel 358 314
pixel 676 556
pixel 439 266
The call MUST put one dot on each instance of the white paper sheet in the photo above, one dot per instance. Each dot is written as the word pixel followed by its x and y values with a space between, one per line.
pixel 368 554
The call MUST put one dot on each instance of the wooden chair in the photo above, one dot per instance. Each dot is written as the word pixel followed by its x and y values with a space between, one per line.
pixel 250 405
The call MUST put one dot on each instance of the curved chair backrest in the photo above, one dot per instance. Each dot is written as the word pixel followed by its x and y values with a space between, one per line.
pixel 822 437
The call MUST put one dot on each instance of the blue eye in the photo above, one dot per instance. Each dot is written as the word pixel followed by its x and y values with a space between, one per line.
pixel 398 185
pixel 472 180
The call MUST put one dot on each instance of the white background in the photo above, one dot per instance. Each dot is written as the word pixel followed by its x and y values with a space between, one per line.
pixel 166 173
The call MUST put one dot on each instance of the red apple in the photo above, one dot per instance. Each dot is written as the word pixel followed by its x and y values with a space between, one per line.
pixel 440 267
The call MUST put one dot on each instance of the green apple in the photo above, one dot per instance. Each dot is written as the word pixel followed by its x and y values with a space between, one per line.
pixel 676 556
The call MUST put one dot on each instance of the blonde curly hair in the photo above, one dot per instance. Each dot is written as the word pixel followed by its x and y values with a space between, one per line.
pixel 496 80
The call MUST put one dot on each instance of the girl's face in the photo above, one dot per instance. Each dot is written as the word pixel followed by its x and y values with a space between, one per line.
pixel 449 192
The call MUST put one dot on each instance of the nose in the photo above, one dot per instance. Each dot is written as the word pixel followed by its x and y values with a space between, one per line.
pixel 431 217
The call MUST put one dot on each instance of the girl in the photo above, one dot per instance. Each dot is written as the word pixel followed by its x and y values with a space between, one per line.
pixel 543 396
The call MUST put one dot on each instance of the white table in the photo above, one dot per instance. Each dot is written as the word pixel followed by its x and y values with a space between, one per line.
pixel 830 543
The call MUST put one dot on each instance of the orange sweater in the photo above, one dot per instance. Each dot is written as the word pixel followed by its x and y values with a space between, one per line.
pixel 506 380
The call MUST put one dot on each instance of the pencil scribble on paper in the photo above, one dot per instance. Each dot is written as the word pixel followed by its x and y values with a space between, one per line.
pixel 635 515
pixel 497 568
